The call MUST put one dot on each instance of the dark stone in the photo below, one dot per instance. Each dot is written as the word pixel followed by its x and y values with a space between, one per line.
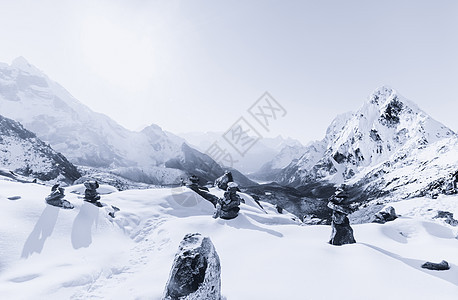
pixel 442 266
pixel 91 194
pixel 196 271
pixel 386 215
pixel 56 198
pixel 374 135
pixel 448 216
pixel 202 191
pixel 194 179
pixel 228 207
pixel 342 233
pixel 222 181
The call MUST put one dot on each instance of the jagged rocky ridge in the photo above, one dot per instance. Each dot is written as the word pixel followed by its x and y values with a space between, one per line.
pixel 24 153
pixel 92 139
pixel 388 148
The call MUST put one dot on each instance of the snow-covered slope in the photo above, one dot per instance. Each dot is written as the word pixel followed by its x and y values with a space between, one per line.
pixel 24 153
pixel 85 137
pixel 389 136
pixel 47 253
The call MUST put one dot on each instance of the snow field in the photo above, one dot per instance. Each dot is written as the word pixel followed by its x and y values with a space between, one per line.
pixel 51 253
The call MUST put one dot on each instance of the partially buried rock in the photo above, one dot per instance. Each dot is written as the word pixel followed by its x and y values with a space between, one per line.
pixel 56 198
pixel 386 215
pixel 442 266
pixel 196 271
pixel 448 216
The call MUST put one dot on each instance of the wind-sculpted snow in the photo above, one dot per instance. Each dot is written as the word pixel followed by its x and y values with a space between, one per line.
pixel 83 253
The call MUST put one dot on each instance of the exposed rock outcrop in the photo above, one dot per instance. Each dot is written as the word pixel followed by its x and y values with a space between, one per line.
pixel 385 215
pixel 447 216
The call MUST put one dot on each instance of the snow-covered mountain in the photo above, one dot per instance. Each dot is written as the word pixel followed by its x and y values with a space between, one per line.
pixel 24 153
pixel 85 137
pixel 270 170
pixel 388 144
pixel 268 154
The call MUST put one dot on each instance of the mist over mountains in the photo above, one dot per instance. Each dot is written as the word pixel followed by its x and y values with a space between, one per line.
pixel 373 150
pixel 266 154
pixel 92 139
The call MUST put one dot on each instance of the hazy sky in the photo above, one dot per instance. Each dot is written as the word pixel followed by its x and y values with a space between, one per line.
pixel 199 65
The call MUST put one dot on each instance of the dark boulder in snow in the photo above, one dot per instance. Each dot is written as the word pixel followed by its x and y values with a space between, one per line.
pixel 196 271
pixel 56 198
pixel 448 216
pixel 386 215
pixel 342 233
pixel 90 194
pixel 442 266
pixel 228 207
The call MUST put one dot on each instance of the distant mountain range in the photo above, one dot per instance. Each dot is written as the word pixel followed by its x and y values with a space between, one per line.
pixel 266 156
pixel 92 139
pixel 389 148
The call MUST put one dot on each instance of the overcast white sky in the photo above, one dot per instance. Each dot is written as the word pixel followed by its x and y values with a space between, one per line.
pixel 199 65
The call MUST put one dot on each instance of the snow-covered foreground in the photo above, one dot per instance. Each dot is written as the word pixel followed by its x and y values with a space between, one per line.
pixel 51 253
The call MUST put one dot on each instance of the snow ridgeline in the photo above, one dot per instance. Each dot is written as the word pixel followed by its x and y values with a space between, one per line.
pixel 83 253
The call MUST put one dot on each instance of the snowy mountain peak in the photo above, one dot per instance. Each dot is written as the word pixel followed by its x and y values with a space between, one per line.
pixel 23 65
pixel 382 94
pixel 384 130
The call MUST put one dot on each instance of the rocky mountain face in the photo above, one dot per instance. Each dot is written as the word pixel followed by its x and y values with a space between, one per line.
pixel 24 153
pixel 85 137
pixel 388 147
